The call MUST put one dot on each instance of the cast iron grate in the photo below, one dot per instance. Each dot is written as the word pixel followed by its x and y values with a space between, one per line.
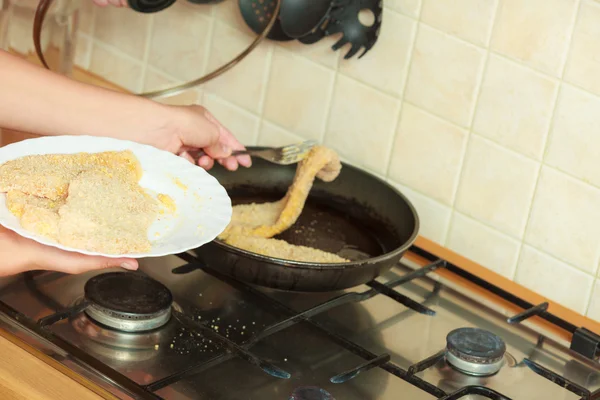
pixel 582 339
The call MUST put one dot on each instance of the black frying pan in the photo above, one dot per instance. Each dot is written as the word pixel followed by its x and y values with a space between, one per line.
pixel 357 216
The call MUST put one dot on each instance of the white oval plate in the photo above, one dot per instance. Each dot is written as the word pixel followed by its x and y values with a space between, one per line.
pixel 203 206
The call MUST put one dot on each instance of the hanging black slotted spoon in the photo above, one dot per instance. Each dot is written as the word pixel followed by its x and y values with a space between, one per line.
pixel 258 13
pixel 344 18
pixel 301 17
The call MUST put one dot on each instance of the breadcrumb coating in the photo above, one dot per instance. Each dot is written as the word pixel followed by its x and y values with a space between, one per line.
pixel 88 201
pixel 253 225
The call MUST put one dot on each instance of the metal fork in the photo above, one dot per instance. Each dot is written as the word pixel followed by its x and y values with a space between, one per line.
pixel 286 155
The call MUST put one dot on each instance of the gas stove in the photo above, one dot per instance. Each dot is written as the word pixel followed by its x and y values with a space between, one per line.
pixel 177 329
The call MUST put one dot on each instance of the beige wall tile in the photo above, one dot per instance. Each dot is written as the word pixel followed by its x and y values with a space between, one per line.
pixel 273 135
pixel 593 310
pixel 124 29
pixel 385 66
pixel 483 245
pixel 535 32
pixel 229 13
pixel 87 9
pixel 515 106
pixel 116 68
pixel 434 217
pixel 156 80
pixel 470 20
pixel 444 74
pixel 21 28
pixel 298 94
pixel 554 279
pixel 582 64
pixel 243 124
pixel 408 7
pixel 361 124
pixel 320 52
pixel 574 140
pixel 244 84
pixel 427 154
pixel 564 220
pixel 496 186
pixel 83 51
pixel 179 42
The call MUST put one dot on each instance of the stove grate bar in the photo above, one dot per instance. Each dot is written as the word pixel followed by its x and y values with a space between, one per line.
pixel 530 312
pixel 364 367
pixel 557 379
pixel 553 319
pixel 426 363
pixel 418 273
pixel 76 355
pixel 63 314
pixel 475 390
pixel 400 298
pixel 268 331
pixel 280 307
pixel 231 346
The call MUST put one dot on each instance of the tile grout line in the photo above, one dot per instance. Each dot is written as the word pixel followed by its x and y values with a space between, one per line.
pixel 111 48
pixel 209 42
pixel 398 117
pixel 543 252
pixel 547 140
pixel 470 133
pixel 201 89
pixel 590 298
pixel 326 120
pixel 92 36
pixel 146 55
pixel 265 88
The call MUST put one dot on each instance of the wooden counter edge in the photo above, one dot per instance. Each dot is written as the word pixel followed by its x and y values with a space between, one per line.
pixel 27 373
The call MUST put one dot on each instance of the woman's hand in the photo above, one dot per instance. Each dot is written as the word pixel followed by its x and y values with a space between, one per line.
pixel 20 254
pixel 184 128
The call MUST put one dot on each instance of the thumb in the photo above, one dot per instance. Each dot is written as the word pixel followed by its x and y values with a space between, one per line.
pixel 76 263
pixel 88 263
pixel 201 130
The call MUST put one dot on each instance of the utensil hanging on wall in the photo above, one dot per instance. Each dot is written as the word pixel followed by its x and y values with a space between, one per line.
pixel 309 21
pixel 258 13
pixel 301 17
pixel 345 18
pixel 150 6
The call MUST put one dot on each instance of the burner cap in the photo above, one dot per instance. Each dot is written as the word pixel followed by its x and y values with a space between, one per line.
pixel 128 301
pixel 475 351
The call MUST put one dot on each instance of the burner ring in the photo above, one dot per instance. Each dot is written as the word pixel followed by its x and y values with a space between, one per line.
pixel 127 322
pixel 130 302
pixel 475 351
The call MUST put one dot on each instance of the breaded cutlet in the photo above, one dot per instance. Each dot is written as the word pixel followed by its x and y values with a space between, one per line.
pixel 105 214
pixel 36 214
pixel 253 226
pixel 282 249
pixel 16 201
pixel 49 175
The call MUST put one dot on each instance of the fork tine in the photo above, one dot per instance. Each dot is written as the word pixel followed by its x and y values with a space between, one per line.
pixel 301 145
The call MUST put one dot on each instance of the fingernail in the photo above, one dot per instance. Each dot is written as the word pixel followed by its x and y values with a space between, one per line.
pixel 128 266
pixel 225 149
pixel 203 162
